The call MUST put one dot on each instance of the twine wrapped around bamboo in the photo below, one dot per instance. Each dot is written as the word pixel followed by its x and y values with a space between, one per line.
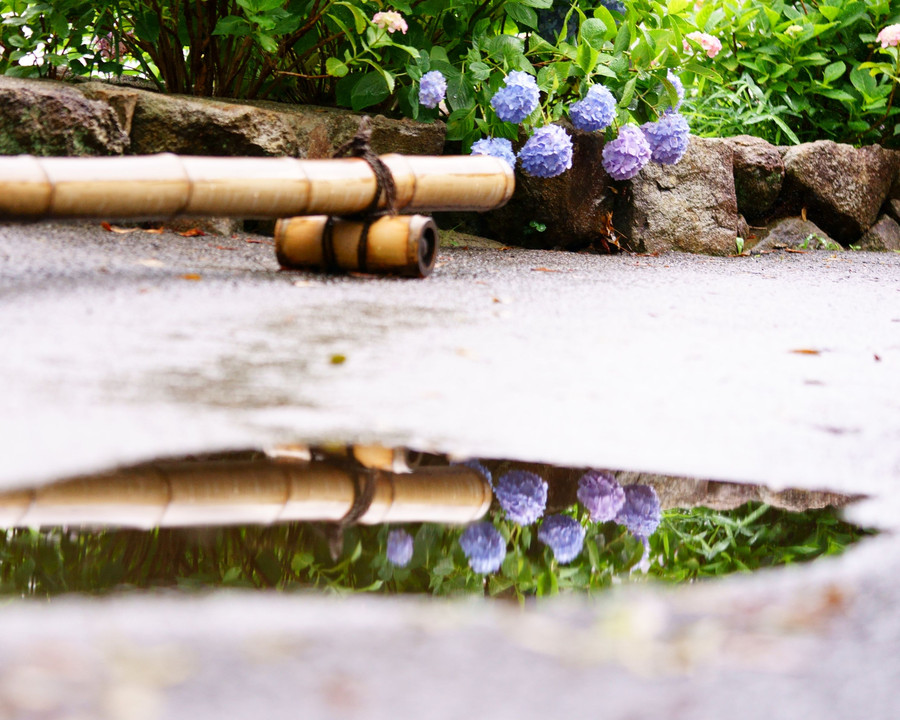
pixel 400 244
pixel 167 185
pixel 248 491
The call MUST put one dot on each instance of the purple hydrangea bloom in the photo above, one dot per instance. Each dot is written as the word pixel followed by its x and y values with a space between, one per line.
pixel 679 87
pixel 432 89
pixel 564 535
pixel 518 99
pixel 624 157
pixel 596 111
pixel 641 512
pixel 496 147
pixel 399 548
pixel 523 495
pixel 484 547
pixel 547 153
pixel 479 468
pixel 601 495
pixel 668 138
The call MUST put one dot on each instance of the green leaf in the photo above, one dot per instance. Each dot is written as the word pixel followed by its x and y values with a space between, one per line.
pixel 834 71
pixel 521 14
pixel 541 4
pixel 627 93
pixel 586 58
pixel 623 39
pixel 228 25
pixel 593 32
pixel 335 67
pixel 703 71
pixel 479 70
pixel 371 89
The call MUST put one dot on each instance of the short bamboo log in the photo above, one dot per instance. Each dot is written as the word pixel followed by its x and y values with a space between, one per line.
pixel 247 492
pixel 399 244
pixel 167 185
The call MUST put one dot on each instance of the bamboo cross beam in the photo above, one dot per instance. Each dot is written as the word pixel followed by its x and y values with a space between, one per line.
pixel 166 185
pixel 180 494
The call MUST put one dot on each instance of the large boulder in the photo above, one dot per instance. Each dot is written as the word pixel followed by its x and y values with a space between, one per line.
pixel 841 187
pixel 794 233
pixel 758 175
pixel 690 206
pixel 883 235
pixel 203 126
pixel 46 117
pixel 572 210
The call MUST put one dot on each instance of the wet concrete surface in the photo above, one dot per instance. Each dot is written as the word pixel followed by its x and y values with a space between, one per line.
pixel 782 369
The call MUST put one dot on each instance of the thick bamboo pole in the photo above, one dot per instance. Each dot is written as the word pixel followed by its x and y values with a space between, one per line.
pixel 245 492
pixel 166 185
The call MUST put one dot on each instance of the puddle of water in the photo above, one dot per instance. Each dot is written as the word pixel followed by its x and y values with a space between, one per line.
pixel 389 520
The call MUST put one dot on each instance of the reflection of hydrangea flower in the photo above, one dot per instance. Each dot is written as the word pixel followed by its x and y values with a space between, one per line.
pixel 496 147
pixel 564 535
pixel 399 547
pixel 668 138
pixel 547 153
pixel 889 36
pixel 708 42
pixel 432 89
pixel 392 21
pixel 523 495
pixel 641 512
pixel 624 157
pixel 518 99
pixel 596 111
pixel 601 495
pixel 484 547
pixel 479 468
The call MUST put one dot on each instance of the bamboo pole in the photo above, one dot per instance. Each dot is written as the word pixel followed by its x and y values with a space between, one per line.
pixel 247 492
pixel 400 244
pixel 167 185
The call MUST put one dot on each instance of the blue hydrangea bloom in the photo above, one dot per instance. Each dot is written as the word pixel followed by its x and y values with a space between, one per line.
pixel 432 89
pixel 399 548
pixel 624 157
pixel 641 512
pixel 601 495
pixel 518 99
pixel 496 147
pixel 596 111
pixel 522 494
pixel 478 467
pixel 614 6
pixel 483 545
pixel 679 87
pixel 547 153
pixel 668 138
pixel 564 535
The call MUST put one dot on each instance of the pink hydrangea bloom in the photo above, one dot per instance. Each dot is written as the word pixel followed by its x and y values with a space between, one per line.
pixel 890 36
pixel 708 42
pixel 392 21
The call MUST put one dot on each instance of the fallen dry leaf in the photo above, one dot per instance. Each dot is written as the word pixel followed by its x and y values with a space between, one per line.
pixel 545 269
pixel 220 247
pixel 122 231
pixel 796 252
pixel 193 232
pixel 190 276
pixel 259 242
pixel 806 351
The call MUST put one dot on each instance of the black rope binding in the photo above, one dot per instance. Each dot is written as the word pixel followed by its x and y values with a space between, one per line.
pixel 365 482
pixel 360 146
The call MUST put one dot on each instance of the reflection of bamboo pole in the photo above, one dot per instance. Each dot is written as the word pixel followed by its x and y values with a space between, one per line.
pixel 161 186
pixel 248 491
pixel 401 244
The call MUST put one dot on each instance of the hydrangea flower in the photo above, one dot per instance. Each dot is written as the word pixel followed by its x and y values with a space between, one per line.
pixel 668 138
pixel 399 548
pixel 523 495
pixel 641 512
pixel 518 99
pixel 889 36
pixel 484 547
pixel 679 87
pixel 547 153
pixel 624 157
pixel 564 535
pixel 392 21
pixel 432 89
pixel 596 111
pixel 708 42
pixel 614 6
pixel 496 147
pixel 601 495
pixel 479 468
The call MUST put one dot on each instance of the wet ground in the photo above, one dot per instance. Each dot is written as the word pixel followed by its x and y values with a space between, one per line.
pixel 782 369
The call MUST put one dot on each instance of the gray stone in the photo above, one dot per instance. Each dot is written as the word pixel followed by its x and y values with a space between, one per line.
pixel 203 126
pixel 758 175
pixel 893 209
pixel 690 206
pixel 842 187
pixel 883 235
pixel 796 234
pixel 46 117
pixel 575 207
pixel 122 100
